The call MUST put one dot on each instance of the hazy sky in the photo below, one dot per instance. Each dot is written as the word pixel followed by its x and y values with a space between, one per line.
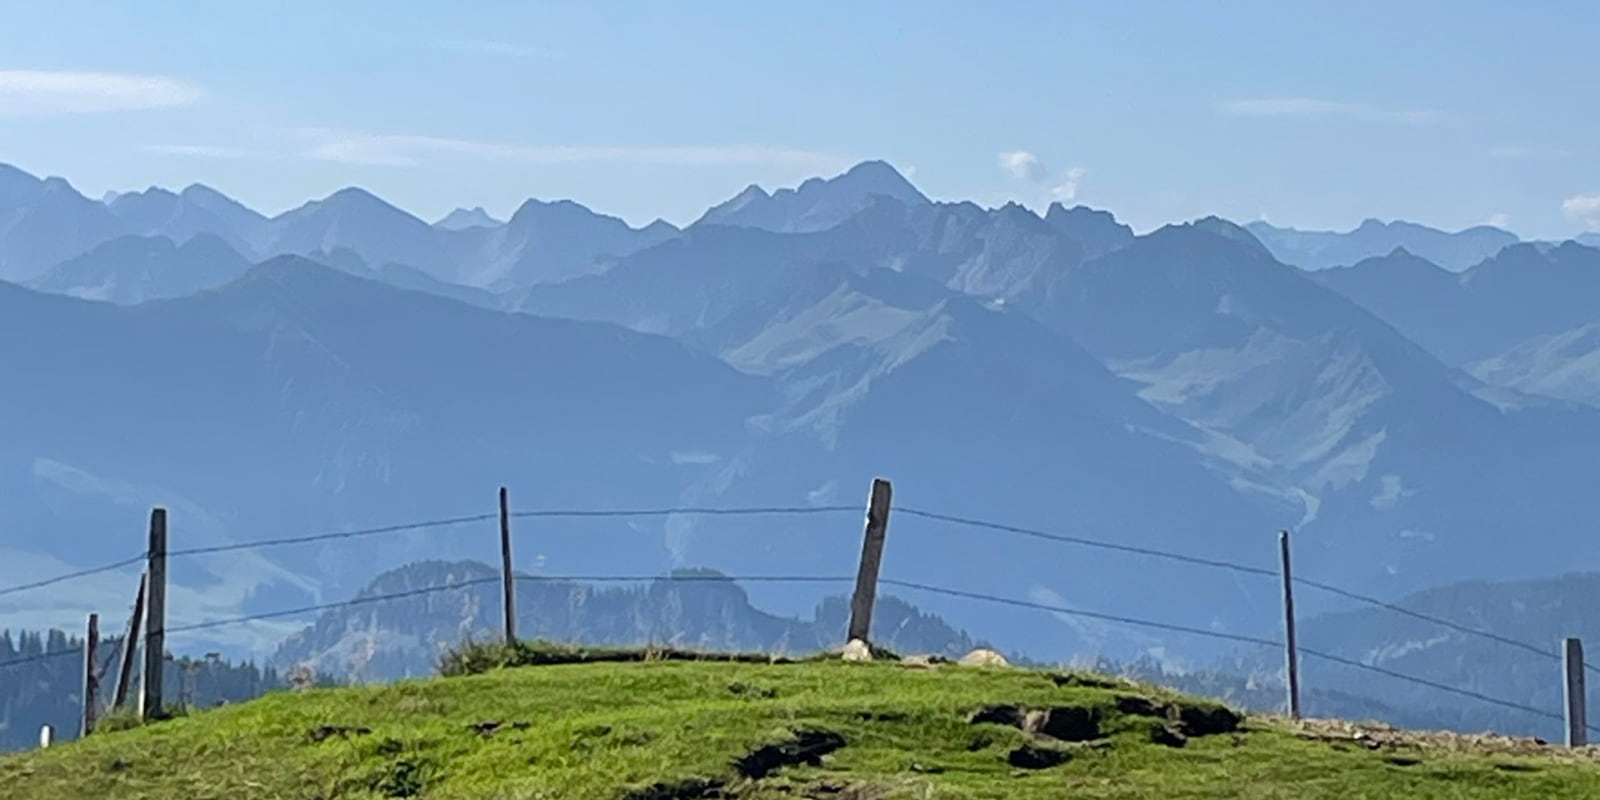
pixel 1309 114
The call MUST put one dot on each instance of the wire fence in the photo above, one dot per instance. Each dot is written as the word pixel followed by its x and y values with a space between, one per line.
pixel 763 511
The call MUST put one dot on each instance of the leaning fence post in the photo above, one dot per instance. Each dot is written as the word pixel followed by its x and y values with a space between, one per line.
pixel 130 647
pixel 1577 707
pixel 91 677
pixel 871 557
pixel 155 621
pixel 1291 652
pixel 507 581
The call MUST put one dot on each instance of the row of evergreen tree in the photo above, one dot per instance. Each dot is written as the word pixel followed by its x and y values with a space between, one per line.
pixel 48 689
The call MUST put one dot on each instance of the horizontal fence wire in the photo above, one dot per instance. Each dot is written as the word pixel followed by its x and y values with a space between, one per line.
pixel 559 513
pixel 1240 568
pixel 17 662
pixel 754 511
pixel 126 562
pixel 1087 542
pixel 331 535
pixel 1468 693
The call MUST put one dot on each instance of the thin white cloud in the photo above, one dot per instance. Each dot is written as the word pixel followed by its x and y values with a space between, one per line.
pixel 411 150
pixel 33 93
pixel 198 151
pixel 1498 221
pixel 1583 208
pixel 1309 106
pixel 1528 152
pixel 494 48
pixel 1025 166
pixel 1067 190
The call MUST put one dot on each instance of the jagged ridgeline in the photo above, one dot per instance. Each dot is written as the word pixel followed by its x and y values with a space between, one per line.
pixel 49 690
pixel 405 637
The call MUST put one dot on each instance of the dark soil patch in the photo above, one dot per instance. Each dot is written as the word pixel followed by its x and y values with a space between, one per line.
pixel 692 789
pixel 1165 733
pixel 1032 756
pixel 808 747
pixel 323 733
pixel 1066 723
pixel 1208 720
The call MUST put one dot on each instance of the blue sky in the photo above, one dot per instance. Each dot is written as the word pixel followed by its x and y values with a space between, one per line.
pixel 1309 114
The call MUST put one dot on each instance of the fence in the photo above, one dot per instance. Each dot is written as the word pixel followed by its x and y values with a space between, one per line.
pixel 150 607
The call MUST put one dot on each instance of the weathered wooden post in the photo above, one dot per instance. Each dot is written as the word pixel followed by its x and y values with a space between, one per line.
pixel 130 647
pixel 1577 716
pixel 91 677
pixel 871 557
pixel 507 580
pixel 1292 653
pixel 155 621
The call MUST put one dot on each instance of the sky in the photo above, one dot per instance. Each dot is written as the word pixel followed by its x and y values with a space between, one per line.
pixel 1308 114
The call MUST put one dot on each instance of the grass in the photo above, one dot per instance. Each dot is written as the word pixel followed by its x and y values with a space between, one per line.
pixel 672 729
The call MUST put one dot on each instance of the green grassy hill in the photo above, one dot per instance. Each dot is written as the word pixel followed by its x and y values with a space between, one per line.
pixel 678 730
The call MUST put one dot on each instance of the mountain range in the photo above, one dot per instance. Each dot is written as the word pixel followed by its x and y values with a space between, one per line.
pixel 346 365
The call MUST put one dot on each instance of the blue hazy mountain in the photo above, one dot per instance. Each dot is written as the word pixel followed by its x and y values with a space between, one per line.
pixel 547 242
pixel 1563 365
pixel 817 204
pixel 1097 231
pixel 1315 250
pixel 463 218
pixel 1524 292
pixel 1183 389
pixel 1405 465
pixel 299 398
pixel 195 211
pixel 44 222
pixel 132 269
pixel 1538 613
pixel 405 638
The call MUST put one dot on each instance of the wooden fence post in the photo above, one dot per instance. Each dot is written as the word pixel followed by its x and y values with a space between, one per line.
pixel 1573 687
pixel 91 677
pixel 871 558
pixel 1291 651
pixel 130 647
pixel 155 621
pixel 507 580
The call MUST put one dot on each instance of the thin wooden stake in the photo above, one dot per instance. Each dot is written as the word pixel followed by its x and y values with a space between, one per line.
pixel 91 673
pixel 507 580
pixel 1292 652
pixel 1577 706
pixel 871 557
pixel 130 648
pixel 155 620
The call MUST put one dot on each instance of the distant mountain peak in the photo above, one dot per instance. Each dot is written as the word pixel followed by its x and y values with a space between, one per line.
pixel 878 177
pixel 465 218
pixel 817 204
pixel 1322 249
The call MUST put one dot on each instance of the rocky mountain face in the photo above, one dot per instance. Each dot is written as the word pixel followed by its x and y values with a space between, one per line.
pixel 695 609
